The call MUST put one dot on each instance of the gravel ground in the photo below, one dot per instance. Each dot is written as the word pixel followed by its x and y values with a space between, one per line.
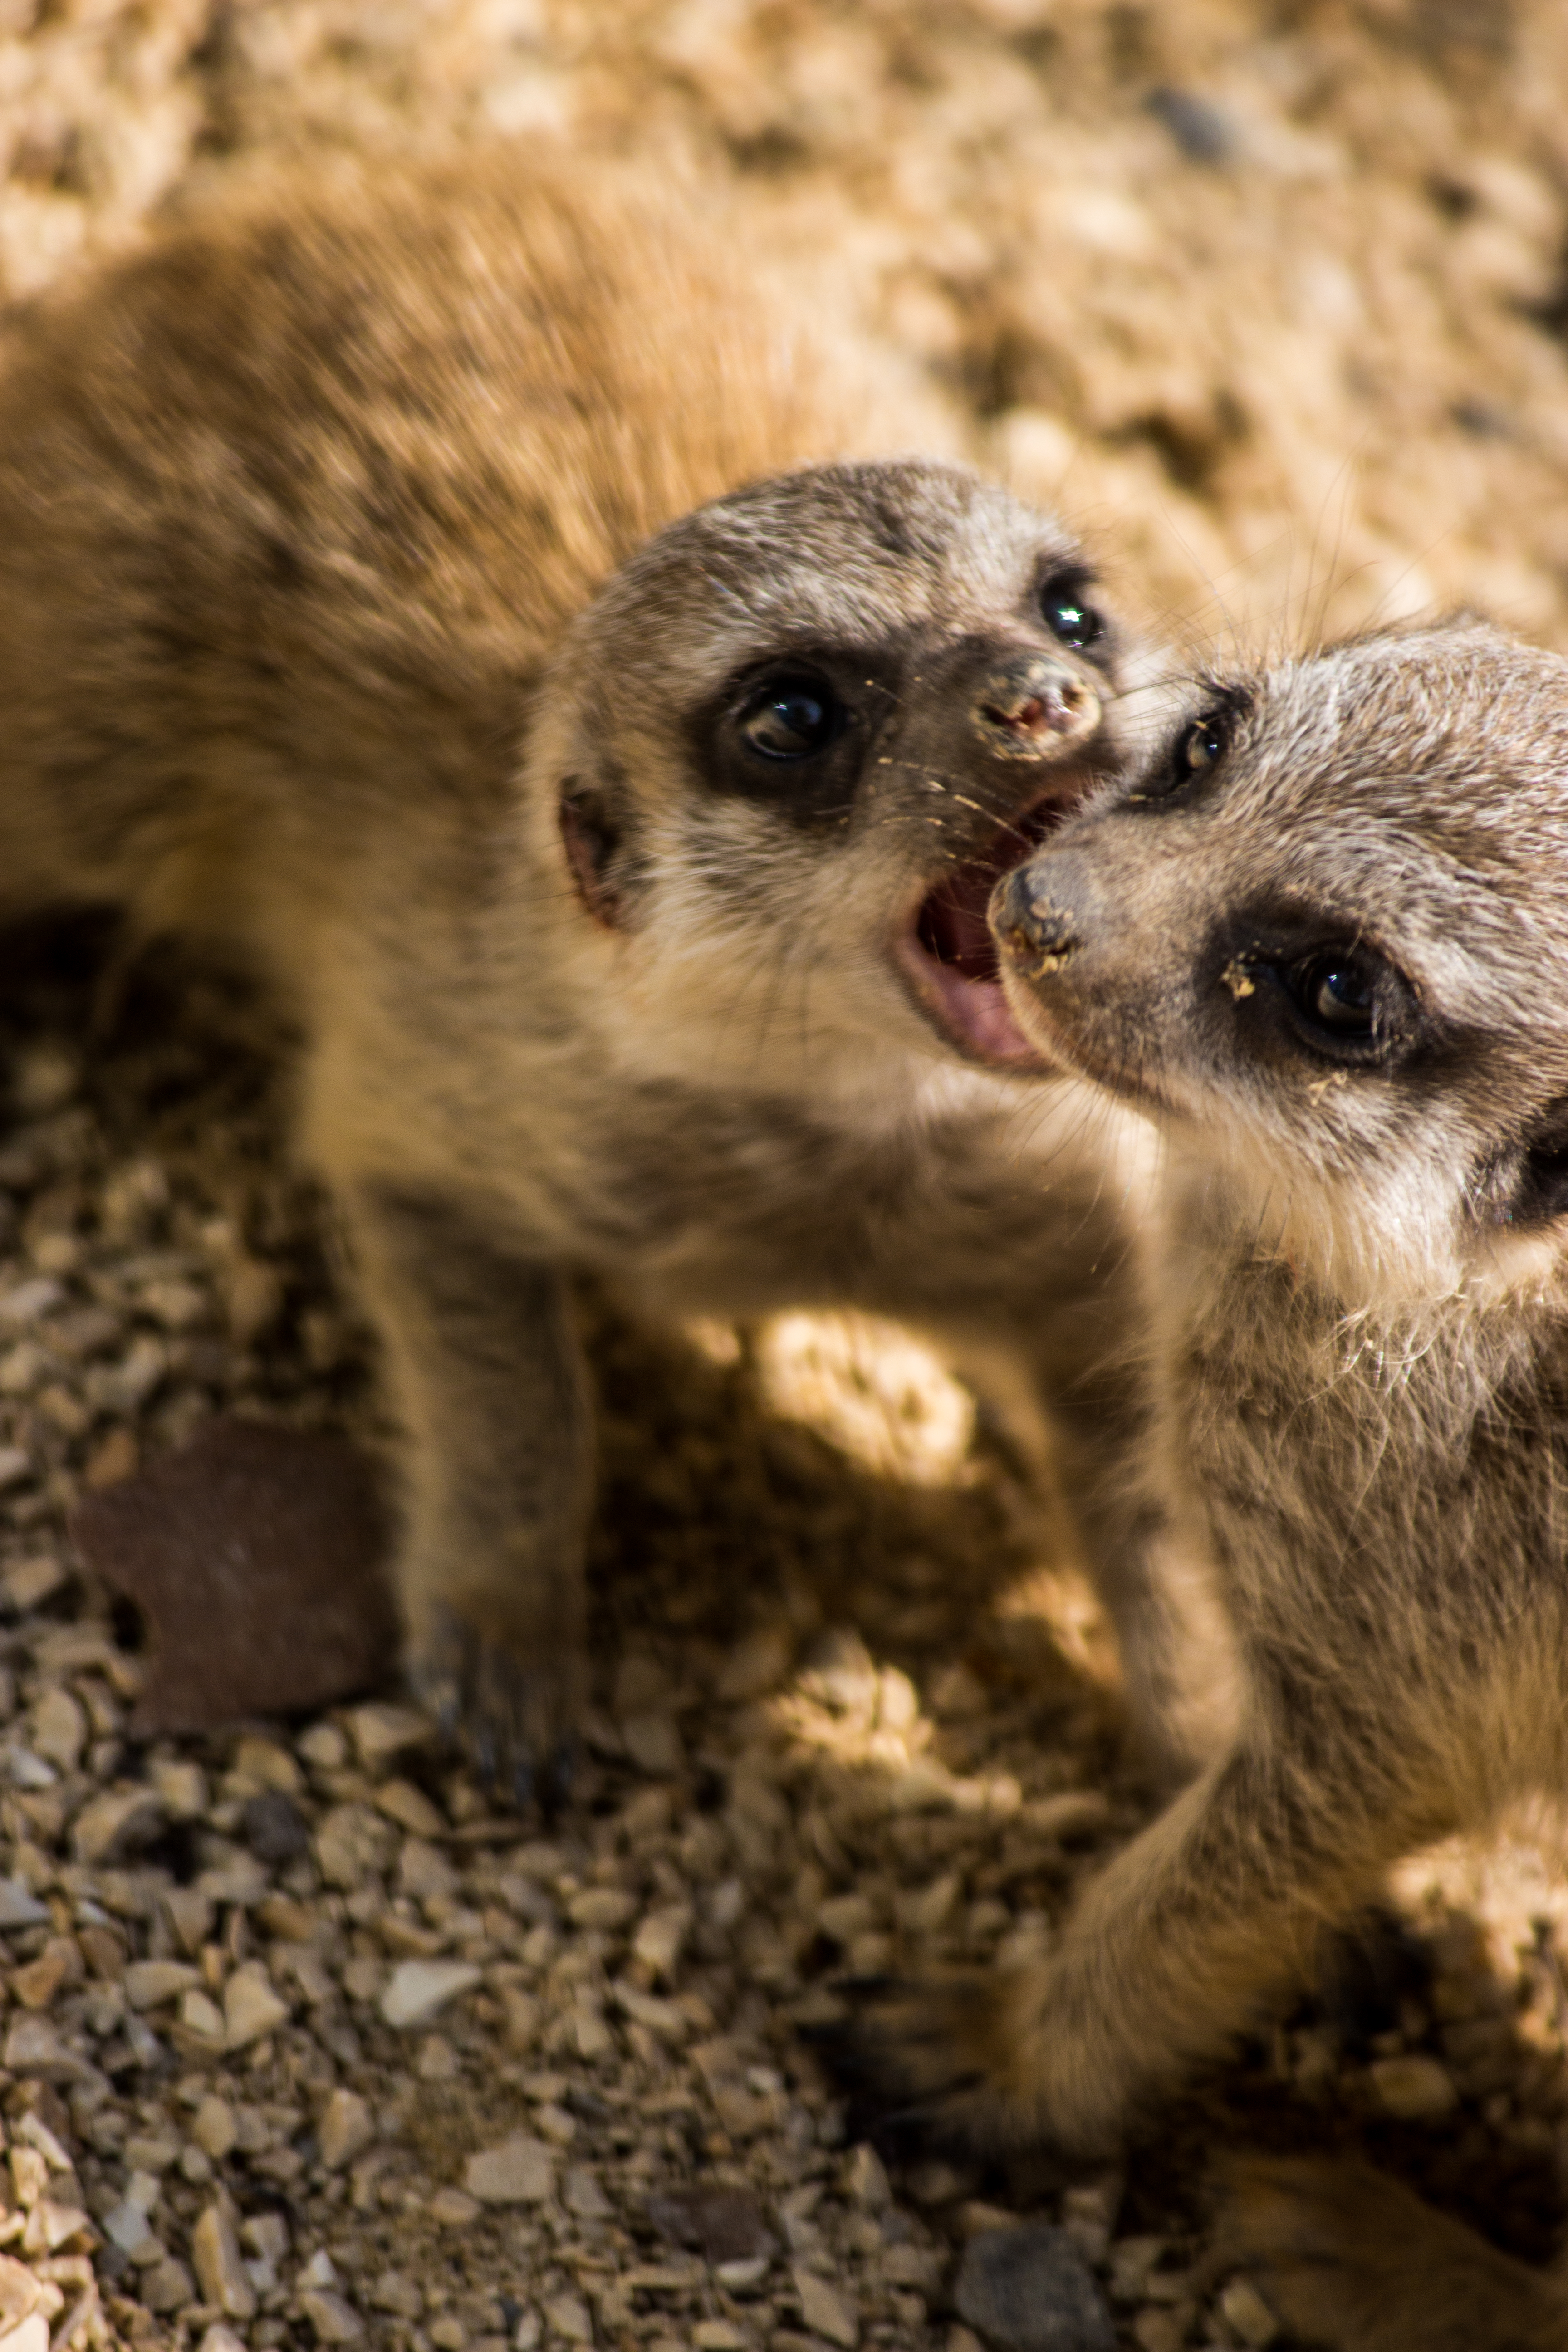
pixel 301 2044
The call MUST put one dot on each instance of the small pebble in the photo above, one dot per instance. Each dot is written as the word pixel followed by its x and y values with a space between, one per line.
pixel 266 2235
pixel 28 1583
pixel 416 1990
pixel 202 2018
pixel 521 2171
pixel 454 2209
pixel 273 1827
pixel 410 1808
pixel 1030 2290
pixel 603 1908
pixel 1245 2311
pixel 825 2310
pixel 19 1907
pixel 126 2226
pixel 250 2007
pixel 379 1733
pixel 219 2265
pixel 1416 2089
pixel 345 2130
pixel 150 1983
pixel 333 2320
pixel 59 1729
pixel 1160 2329
pixel 167 2286
pixel 213 2126
pixel 580 2194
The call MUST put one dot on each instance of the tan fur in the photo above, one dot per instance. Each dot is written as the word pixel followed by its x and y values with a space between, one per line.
pixel 1321 940
pixel 1348 2258
pixel 349 621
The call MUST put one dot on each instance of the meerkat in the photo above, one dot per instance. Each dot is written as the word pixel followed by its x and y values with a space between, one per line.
pixel 1319 940
pixel 448 593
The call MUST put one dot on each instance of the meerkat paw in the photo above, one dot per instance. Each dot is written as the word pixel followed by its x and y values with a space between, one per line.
pixel 1345 2257
pixel 967 2061
pixel 510 1696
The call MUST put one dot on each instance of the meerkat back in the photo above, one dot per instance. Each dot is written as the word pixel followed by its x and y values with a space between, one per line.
pixel 294 504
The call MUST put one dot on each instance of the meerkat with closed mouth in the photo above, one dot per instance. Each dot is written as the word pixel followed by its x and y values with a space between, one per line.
pixel 1320 941
pixel 401 586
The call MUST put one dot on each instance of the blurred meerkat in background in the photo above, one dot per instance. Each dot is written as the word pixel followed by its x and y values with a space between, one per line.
pixel 1320 941
pixel 623 868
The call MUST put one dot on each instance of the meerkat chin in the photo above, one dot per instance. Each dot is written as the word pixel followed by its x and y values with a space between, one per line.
pixel 421 586
pixel 1320 941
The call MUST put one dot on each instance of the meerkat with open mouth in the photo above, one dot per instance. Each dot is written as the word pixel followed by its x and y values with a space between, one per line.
pixel 623 866
pixel 1320 941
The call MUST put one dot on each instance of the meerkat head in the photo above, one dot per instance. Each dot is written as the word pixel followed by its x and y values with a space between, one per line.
pixel 1322 932
pixel 793 744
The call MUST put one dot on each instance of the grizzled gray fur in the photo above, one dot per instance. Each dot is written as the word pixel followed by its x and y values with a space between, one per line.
pixel 1320 941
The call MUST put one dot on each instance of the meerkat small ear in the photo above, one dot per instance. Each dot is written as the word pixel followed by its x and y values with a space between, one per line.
pixel 591 838
pixel 1542 1192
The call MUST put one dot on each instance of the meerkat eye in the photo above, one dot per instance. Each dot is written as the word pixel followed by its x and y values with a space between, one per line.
pixel 1336 993
pixel 1199 747
pixel 1067 616
pixel 1203 746
pixel 792 714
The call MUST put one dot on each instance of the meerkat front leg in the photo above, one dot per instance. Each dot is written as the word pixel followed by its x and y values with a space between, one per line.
pixel 1181 1670
pixel 1164 1959
pixel 487 1373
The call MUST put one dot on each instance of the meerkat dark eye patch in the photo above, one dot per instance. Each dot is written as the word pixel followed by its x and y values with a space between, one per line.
pixel 1341 999
pixel 1542 1189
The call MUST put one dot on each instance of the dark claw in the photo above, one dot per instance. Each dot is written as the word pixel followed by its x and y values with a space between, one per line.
pixel 504 1716
pixel 558 1779
pixel 876 1986
pixel 911 2086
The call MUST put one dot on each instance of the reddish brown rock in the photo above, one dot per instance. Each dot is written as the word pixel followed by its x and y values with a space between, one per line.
pixel 256 1555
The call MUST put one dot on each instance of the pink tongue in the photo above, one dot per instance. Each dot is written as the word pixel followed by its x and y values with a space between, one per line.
pixel 953 925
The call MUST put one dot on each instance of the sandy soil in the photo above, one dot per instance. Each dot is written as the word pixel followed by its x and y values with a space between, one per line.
pixel 1272 303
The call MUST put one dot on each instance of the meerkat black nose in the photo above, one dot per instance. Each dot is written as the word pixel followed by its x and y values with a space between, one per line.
pixel 1033 929
pixel 1034 707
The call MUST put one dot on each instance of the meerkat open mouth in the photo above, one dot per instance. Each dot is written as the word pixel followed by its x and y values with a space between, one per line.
pixel 948 953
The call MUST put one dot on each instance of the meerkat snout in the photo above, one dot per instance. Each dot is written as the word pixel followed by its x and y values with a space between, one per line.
pixel 1034 919
pixel 1034 707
